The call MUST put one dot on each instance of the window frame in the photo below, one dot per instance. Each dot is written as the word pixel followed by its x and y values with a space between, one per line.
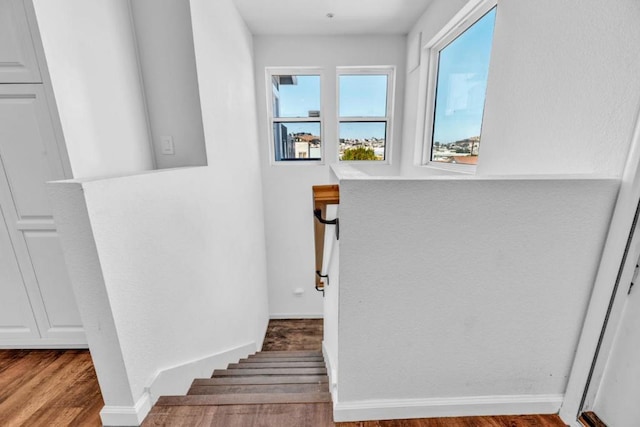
pixel 271 120
pixel 390 72
pixel 430 53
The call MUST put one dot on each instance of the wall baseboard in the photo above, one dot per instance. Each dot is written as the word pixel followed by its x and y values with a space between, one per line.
pixel 332 372
pixel 175 380
pixel 446 407
pixel 126 415
pixel 277 316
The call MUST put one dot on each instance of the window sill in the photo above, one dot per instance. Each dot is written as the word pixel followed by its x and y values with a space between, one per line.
pixel 449 167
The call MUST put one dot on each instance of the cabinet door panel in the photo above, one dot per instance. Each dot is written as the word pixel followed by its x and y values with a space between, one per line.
pixel 16 316
pixel 29 157
pixel 28 149
pixel 53 280
pixel 18 62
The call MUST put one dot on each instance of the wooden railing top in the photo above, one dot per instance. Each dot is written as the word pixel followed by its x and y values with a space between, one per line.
pixel 327 194
pixel 323 195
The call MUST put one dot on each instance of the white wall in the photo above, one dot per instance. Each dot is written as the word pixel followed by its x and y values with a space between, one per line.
pixel 172 271
pixel 90 52
pixel 432 20
pixel 468 300
pixel 167 62
pixel 565 99
pixel 562 94
pixel 331 299
pixel 169 267
pixel 287 187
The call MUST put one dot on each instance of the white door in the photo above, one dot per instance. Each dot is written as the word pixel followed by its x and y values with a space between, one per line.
pixel 617 401
pixel 18 63
pixel 29 157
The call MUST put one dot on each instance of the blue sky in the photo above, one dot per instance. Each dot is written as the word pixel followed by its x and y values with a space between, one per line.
pixel 462 82
pixel 360 96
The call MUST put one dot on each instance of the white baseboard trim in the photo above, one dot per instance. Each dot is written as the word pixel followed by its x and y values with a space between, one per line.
pixel 174 380
pixel 446 407
pixel 126 415
pixel 278 316
pixel 332 372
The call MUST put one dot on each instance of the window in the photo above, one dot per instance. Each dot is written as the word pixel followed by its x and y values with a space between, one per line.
pixel 295 118
pixel 364 109
pixel 457 83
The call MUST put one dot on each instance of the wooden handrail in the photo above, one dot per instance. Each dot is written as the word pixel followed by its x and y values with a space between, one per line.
pixel 323 195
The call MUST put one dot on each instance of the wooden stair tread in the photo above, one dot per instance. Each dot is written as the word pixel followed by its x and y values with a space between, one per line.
pixel 273 379
pixel 267 371
pixel 282 359
pixel 287 354
pixel 244 399
pixel 259 388
pixel 270 365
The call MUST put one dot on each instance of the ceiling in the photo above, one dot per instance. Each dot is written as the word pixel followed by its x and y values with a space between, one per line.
pixel 309 17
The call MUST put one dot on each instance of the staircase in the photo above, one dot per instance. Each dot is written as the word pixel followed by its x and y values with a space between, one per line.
pixel 278 388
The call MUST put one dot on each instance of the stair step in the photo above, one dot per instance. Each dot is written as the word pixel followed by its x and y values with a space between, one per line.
pixel 287 354
pixel 243 399
pixel 268 371
pixel 255 379
pixel 259 389
pixel 259 365
pixel 282 359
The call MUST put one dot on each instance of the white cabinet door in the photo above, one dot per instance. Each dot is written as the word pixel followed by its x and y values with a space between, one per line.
pixel 29 157
pixel 16 317
pixel 18 62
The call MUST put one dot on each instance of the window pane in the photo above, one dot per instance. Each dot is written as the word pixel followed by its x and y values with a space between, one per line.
pixel 297 140
pixel 296 96
pixel 460 92
pixel 363 95
pixel 362 140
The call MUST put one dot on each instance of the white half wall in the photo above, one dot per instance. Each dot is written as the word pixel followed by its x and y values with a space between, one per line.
pixel 287 187
pixel 91 55
pixel 175 261
pixel 469 299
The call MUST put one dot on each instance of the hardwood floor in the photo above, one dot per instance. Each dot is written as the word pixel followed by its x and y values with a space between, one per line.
pixel 495 421
pixel 48 388
pixel 292 335
pixel 59 388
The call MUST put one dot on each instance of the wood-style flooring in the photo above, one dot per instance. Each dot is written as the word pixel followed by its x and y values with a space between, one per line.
pixel 293 335
pixel 48 388
pixel 59 388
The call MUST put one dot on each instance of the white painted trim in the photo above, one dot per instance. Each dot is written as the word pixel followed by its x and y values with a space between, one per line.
pixel 390 72
pixel 177 379
pixel 174 380
pixel 602 294
pixel 126 415
pixel 280 316
pixel 300 71
pixel 446 407
pixel 331 372
pixel 465 18
pixel 44 343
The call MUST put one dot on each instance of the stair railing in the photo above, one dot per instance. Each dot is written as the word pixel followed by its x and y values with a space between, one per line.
pixel 323 195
